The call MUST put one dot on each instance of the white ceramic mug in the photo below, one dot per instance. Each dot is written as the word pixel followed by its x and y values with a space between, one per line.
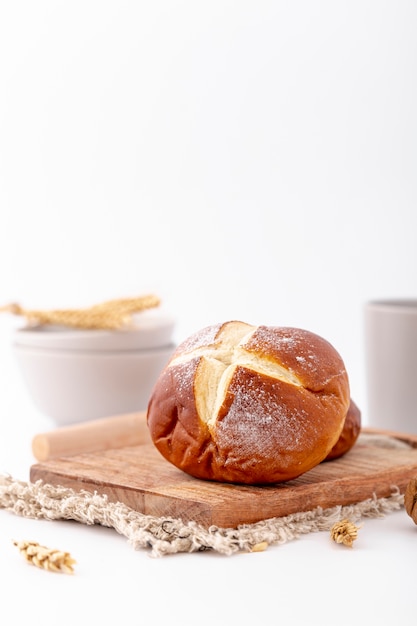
pixel 391 364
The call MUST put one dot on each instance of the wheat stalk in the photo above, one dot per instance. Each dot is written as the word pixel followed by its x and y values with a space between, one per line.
pixel 344 532
pixel 109 315
pixel 46 558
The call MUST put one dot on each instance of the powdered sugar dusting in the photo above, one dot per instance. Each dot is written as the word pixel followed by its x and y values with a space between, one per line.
pixel 259 424
pixel 204 337
pixel 296 346
pixel 183 374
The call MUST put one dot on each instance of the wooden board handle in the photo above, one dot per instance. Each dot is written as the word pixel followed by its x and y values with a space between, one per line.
pixel 101 434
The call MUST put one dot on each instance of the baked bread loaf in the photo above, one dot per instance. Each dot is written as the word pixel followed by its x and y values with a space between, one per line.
pixel 349 434
pixel 249 404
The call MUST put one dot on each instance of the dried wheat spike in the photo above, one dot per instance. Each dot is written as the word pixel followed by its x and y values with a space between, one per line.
pixel 259 547
pixel 344 532
pixel 45 558
pixel 109 315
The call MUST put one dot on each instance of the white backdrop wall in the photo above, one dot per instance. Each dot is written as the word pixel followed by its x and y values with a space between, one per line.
pixel 242 160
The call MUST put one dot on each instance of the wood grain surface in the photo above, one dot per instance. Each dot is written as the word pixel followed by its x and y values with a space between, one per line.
pixel 139 477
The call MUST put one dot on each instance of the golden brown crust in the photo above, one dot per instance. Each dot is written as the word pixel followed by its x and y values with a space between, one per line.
pixel 252 405
pixel 349 434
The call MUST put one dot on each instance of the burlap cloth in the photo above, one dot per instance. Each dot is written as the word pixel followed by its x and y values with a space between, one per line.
pixel 165 535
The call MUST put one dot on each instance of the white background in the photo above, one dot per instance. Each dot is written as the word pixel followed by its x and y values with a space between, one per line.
pixel 242 160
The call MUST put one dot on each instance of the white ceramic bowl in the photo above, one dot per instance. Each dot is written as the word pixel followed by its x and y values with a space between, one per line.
pixel 75 375
pixel 74 386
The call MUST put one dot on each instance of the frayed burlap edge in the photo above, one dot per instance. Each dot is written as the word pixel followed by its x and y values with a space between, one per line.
pixel 164 535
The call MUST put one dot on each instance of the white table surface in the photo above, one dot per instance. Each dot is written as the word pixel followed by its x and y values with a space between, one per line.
pixel 310 580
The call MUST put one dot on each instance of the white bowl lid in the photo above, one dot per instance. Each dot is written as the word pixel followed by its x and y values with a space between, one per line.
pixel 149 329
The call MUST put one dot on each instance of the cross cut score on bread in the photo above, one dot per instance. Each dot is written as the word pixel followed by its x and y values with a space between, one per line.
pixel 219 363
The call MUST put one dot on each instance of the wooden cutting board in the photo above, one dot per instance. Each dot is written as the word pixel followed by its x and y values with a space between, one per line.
pixel 139 477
